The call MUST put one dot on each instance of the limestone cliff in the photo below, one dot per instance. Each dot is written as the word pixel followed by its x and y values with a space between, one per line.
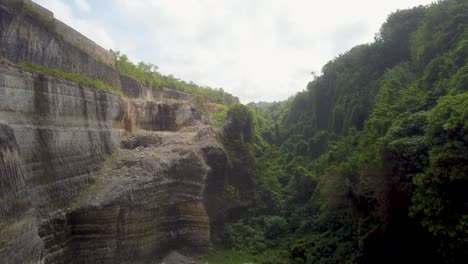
pixel 69 193
pixel 87 176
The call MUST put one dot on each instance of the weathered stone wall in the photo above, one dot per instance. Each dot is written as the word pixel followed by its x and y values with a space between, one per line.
pixel 171 94
pixel 67 33
pixel 45 13
pixel 54 135
pixel 24 37
pixel 41 39
pixel 68 193
pixel 9 165
pixel 133 88
pixel 65 199
pixel 62 131
pixel 162 115
pixel 78 40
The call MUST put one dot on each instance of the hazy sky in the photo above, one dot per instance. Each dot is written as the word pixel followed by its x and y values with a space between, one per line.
pixel 258 50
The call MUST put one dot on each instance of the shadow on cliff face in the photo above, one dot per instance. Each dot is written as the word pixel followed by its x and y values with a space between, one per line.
pixel 43 136
pixel 11 174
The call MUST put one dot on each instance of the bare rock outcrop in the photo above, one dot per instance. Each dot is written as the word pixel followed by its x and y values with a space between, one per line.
pixel 87 176
pixel 28 35
pixel 176 258
pixel 78 187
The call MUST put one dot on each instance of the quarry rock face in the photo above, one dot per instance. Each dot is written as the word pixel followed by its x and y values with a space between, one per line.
pixel 87 176
pixel 78 188
pixel 28 36
pixel 91 192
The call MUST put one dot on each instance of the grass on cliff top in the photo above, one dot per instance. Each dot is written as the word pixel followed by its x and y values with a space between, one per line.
pixel 70 76
pixel 238 256
pixel 226 256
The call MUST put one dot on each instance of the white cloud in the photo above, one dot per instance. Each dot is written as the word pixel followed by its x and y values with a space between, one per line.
pixel 255 49
pixel 83 5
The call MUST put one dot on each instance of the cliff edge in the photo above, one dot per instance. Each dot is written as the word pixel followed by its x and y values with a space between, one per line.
pixel 88 175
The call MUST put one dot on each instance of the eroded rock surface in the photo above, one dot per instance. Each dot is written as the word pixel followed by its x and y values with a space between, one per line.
pixel 89 177
pixel 176 258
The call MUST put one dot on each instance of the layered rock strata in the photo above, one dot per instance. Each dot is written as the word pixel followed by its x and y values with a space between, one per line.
pixel 89 177
pixel 26 36
pixel 30 33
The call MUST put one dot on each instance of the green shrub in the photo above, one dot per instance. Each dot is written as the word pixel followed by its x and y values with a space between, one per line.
pixel 274 226
pixel 217 119
pixel 245 237
pixel 226 256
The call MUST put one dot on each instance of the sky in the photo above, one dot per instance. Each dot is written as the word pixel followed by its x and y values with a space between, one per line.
pixel 258 50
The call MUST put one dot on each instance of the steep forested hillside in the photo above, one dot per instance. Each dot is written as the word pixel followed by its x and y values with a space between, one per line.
pixel 370 163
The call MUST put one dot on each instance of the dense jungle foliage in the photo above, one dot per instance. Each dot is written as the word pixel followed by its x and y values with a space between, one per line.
pixel 370 163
